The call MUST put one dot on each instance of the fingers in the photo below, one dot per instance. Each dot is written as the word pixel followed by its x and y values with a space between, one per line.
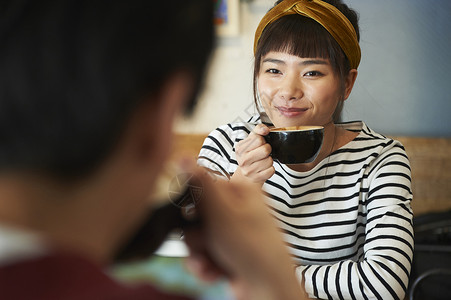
pixel 236 223
pixel 199 262
pixel 262 176
pixel 258 171
pixel 249 144
pixel 254 140
pixel 202 268
pixel 261 129
pixel 253 156
pixel 262 152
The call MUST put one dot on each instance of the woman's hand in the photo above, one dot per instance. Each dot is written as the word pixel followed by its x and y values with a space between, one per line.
pixel 253 156
pixel 238 238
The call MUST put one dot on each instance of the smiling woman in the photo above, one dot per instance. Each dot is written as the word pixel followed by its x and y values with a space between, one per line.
pixel 346 216
pixel 299 91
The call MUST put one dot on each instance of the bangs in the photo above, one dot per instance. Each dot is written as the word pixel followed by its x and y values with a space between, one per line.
pixel 300 36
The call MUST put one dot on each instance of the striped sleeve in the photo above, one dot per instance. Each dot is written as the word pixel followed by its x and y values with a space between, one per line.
pixel 218 150
pixel 382 271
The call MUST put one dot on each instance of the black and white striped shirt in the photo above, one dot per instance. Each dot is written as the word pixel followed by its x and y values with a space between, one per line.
pixel 347 222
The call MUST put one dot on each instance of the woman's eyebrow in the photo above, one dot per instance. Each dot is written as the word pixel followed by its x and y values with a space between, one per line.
pixel 314 62
pixel 273 60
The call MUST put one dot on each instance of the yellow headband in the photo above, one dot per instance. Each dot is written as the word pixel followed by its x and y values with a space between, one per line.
pixel 325 14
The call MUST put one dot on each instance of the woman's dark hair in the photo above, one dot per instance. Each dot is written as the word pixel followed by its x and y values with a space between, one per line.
pixel 304 37
pixel 73 71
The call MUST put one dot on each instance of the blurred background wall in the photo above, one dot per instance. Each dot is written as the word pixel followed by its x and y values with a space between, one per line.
pixel 404 81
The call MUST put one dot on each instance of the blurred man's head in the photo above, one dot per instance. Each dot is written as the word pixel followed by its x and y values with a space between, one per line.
pixel 73 71
pixel 88 94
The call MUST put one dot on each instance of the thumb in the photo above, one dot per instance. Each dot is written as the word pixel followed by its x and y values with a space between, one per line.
pixel 261 129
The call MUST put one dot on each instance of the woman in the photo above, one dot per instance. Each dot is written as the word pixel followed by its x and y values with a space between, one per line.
pixel 346 216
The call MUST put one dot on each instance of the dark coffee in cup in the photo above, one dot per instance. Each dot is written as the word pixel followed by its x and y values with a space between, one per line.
pixel 295 145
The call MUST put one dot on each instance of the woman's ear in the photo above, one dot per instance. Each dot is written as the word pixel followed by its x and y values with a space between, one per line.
pixel 349 82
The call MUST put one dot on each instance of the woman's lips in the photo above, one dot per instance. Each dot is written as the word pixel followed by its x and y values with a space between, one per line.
pixel 291 111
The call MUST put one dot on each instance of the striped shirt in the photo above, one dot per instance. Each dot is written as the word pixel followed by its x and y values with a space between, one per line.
pixel 347 222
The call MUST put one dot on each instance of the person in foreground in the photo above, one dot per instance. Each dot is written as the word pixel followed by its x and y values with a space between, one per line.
pixel 346 216
pixel 88 94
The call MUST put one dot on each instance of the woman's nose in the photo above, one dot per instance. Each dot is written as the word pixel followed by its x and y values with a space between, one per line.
pixel 290 88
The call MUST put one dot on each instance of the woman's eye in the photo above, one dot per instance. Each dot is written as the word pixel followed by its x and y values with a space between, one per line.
pixel 273 71
pixel 313 74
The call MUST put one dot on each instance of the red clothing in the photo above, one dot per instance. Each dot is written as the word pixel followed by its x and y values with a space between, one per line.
pixel 62 276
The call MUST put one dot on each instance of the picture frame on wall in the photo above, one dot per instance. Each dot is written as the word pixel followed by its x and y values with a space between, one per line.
pixel 226 18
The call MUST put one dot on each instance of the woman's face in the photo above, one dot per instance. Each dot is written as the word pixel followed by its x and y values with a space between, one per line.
pixel 298 91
